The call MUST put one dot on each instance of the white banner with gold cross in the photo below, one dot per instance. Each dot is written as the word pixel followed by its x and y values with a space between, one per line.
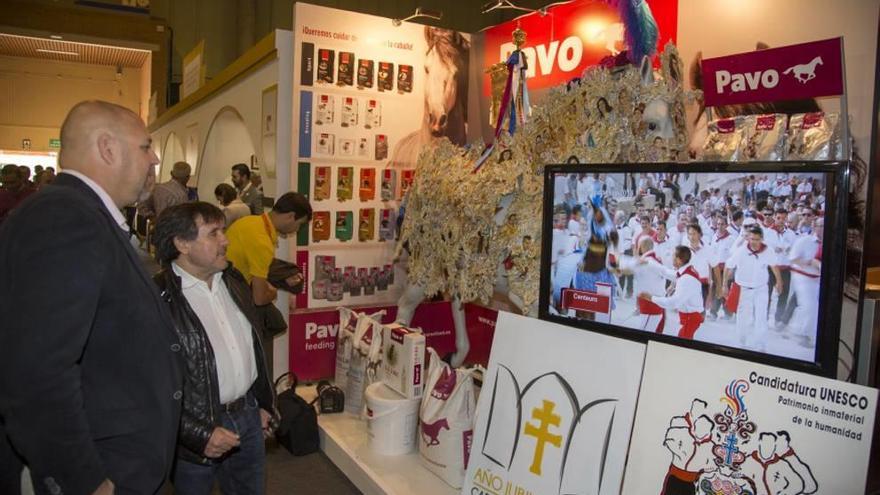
pixel 555 411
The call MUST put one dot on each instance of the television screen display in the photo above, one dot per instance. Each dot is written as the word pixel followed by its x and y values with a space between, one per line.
pixel 739 258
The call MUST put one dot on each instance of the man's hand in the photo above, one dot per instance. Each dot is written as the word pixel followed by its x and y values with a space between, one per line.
pixel 725 291
pixel 779 287
pixel 105 488
pixel 221 441
pixel 265 420
pixel 645 295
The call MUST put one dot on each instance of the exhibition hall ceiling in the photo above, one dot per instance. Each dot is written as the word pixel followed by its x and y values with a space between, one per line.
pixel 70 51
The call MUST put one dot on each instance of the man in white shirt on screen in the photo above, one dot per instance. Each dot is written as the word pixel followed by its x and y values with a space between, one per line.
pixel 749 263
pixel 805 263
pixel 687 296
pixel 649 277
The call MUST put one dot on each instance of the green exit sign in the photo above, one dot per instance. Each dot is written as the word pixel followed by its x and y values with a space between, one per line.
pixel 54 144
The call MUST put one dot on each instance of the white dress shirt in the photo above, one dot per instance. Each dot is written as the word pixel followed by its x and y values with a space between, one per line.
pixel 805 248
pixel 117 215
pixel 687 296
pixel 750 266
pixel 228 330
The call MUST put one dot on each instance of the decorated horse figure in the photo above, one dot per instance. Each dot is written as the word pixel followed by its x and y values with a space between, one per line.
pixel 805 72
pixel 445 110
pixel 431 431
pixel 470 233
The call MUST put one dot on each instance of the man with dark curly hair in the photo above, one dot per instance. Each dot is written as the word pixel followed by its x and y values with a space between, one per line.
pixel 228 402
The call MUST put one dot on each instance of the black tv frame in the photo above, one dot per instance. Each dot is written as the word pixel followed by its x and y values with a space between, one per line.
pixel 832 276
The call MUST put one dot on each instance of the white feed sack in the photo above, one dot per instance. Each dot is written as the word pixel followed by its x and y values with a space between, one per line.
pixel 446 419
pixel 366 354
pixel 345 338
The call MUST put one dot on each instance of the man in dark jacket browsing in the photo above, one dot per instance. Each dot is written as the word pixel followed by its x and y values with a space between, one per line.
pixel 228 402
pixel 90 367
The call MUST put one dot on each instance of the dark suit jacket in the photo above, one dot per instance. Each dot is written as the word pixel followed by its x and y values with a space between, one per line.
pixel 90 365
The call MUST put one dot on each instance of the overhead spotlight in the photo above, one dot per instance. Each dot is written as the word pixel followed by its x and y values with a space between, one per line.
pixel 508 5
pixel 420 12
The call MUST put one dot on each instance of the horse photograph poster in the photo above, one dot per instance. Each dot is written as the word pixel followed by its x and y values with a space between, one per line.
pixel 729 258
pixel 373 94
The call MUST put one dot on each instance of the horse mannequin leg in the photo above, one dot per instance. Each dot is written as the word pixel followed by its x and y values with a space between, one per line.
pixel 462 342
pixel 412 296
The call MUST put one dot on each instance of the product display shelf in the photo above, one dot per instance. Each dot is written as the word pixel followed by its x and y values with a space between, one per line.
pixel 344 441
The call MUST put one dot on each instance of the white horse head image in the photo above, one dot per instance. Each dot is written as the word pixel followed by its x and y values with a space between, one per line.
pixel 445 109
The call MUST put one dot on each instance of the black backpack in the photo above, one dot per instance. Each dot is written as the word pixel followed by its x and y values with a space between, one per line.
pixel 298 427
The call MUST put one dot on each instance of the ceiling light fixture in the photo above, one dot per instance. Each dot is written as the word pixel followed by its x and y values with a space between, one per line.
pixel 508 5
pixel 56 37
pixel 420 12
pixel 59 52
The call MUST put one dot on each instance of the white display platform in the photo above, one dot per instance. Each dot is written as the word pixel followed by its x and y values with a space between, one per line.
pixel 344 442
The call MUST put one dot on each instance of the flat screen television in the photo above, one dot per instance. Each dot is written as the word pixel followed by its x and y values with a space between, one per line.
pixel 742 259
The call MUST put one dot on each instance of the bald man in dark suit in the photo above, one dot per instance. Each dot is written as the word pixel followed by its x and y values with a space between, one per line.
pixel 90 367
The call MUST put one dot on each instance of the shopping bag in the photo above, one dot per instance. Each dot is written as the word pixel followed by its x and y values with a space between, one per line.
pixel 447 420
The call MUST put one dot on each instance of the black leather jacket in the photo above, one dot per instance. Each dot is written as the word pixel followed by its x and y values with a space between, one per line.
pixel 201 392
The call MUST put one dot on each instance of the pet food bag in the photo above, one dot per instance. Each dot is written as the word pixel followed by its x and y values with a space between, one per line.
pixel 345 183
pixel 381 146
pixel 389 183
pixel 322 183
pixel 367 224
pixel 325 66
pixel 345 69
pixel 446 420
pixel 386 224
pixel 814 136
pixel 765 139
pixel 345 337
pixel 363 148
pixel 325 112
pixel 367 189
pixel 409 175
pixel 349 112
pixel 321 226
pixel 344 225
pixel 334 288
pixel 366 355
pixel 403 357
pixel 404 79
pixel 326 143
pixel 386 76
pixel 374 114
pixel 344 341
pixel 725 140
pixel 365 74
pixel 346 147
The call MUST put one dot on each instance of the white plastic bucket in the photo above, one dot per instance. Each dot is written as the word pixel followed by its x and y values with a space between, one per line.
pixel 391 420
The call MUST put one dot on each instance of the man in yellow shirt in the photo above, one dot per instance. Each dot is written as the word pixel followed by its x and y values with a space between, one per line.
pixel 253 239
pixel 252 243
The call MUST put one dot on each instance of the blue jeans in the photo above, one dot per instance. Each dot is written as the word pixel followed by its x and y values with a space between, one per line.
pixel 241 471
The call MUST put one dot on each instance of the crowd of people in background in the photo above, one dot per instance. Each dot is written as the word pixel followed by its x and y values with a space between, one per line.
pixel 753 245
pixel 16 184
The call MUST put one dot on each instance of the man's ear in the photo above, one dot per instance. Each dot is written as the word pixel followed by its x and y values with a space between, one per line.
pixel 108 148
pixel 181 245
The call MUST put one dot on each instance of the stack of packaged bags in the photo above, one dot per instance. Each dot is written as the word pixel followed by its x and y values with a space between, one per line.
pixel 381 368
pixel 774 137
